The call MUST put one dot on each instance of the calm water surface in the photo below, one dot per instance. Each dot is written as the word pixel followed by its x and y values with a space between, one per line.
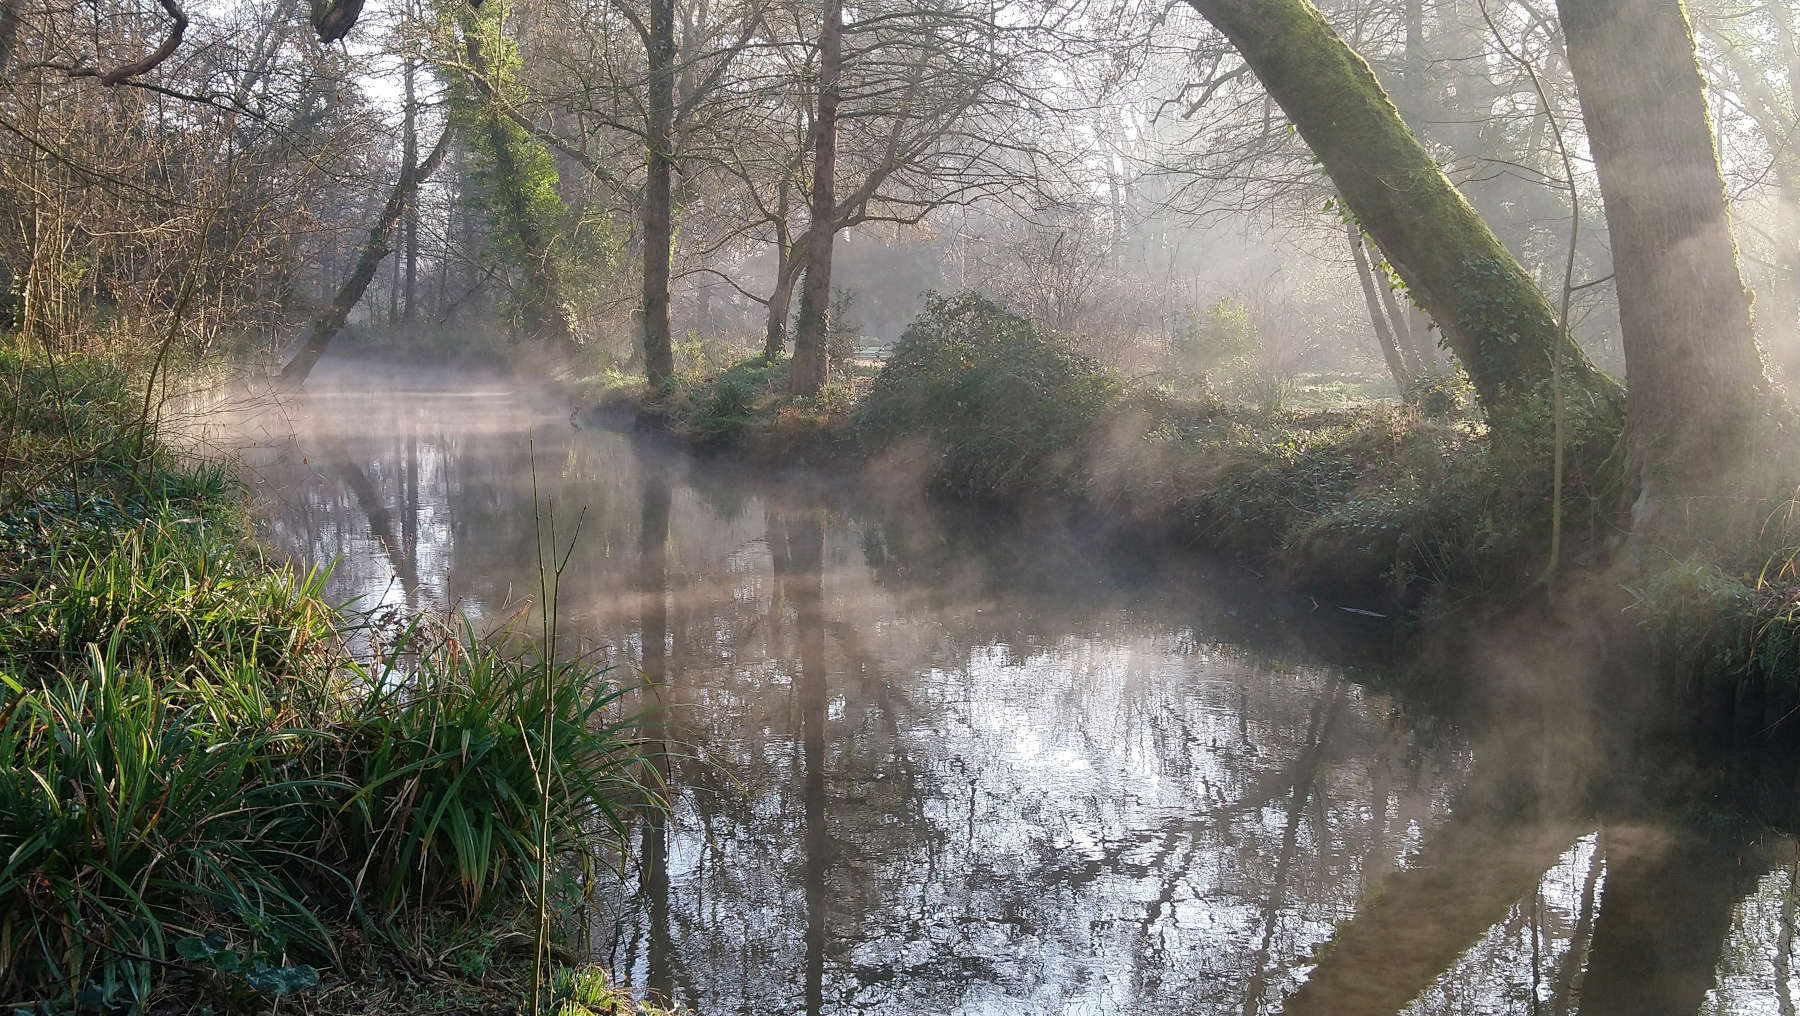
pixel 990 768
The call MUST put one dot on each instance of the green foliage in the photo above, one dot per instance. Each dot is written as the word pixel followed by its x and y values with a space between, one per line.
pixel 1444 396
pixel 588 991
pixel 246 980
pixel 1370 500
pixel 132 807
pixel 197 779
pixel 701 356
pixel 512 175
pixel 74 425
pixel 1267 390
pixel 446 762
pixel 996 399
pixel 173 592
pixel 1220 335
pixel 719 410
pixel 836 397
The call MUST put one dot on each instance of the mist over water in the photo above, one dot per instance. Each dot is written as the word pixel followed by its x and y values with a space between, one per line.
pixel 970 766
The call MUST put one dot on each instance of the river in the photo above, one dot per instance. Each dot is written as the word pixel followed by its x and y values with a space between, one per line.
pixel 945 764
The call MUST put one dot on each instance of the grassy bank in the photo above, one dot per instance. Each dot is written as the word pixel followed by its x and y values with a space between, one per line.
pixel 1402 509
pixel 207 802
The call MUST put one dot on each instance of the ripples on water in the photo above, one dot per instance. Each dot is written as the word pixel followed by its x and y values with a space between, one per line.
pixel 988 768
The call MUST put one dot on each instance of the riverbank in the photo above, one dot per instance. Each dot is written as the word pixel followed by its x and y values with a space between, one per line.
pixel 210 799
pixel 1397 510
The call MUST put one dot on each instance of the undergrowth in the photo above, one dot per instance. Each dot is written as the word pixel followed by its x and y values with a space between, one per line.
pixel 746 408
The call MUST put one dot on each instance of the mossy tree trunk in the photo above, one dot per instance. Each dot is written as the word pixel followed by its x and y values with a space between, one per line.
pixel 516 178
pixel 1490 311
pixel 543 314
pixel 807 371
pixel 1696 380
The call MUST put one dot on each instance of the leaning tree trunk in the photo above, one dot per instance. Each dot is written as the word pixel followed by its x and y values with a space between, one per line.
pixel 1390 350
pixel 807 371
pixel 1492 314
pixel 659 46
pixel 1695 377
pixel 375 250
pixel 1418 364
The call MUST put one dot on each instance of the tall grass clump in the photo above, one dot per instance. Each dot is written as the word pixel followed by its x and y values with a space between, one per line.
pixel 451 766
pixel 170 592
pixel 588 991
pixel 205 794
pixel 135 813
pixel 990 399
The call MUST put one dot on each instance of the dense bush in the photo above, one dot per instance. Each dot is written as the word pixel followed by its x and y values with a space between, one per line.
pixel 995 399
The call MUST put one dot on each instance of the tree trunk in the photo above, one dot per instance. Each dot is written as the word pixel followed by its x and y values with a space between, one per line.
pixel 1491 312
pixel 1418 330
pixel 393 308
pixel 1695 376
pixel 375 250
pixel 807 372
pixel 780 301
pixel 1390 350
pixel 9 31
pixel 659 46
pixel 410 153
pixel 1416 362
pixel 1665 912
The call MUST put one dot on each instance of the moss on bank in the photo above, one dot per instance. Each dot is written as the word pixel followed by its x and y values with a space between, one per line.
pixel 208 802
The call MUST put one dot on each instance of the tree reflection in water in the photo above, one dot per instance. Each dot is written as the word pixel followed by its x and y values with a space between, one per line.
pixel 988 768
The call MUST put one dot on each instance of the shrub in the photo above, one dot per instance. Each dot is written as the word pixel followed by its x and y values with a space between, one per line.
pixel 996 399
pixel 721 408
pixel 199 783
pixel 1206 340
pixel 254 809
